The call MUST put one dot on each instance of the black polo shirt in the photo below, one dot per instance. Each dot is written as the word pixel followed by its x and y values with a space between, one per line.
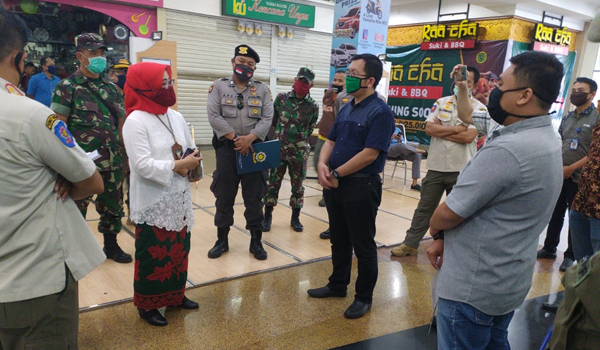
pixel 368 124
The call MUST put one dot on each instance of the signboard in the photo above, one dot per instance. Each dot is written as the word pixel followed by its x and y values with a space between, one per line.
pixel 448 45
pixel 275 11
pixel 552 35
pixel 419 77
pixel 549 48
pixel 455 31
pixel 151 3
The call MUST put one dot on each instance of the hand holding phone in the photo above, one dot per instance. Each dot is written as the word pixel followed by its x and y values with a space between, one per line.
pixel 461 73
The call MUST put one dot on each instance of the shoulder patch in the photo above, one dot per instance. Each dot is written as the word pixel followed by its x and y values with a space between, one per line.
pixel 434 107
pixel 210 89
pixel 13 90
pixel 52 118
pixel 63 134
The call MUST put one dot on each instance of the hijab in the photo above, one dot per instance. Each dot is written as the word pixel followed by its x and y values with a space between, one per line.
pixel 142 78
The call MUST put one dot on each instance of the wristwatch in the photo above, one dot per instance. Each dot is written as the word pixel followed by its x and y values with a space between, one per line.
pixel 335 174
pixel 439 235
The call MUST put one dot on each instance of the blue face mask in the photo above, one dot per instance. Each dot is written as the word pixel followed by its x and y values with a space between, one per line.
pixel 52 70
pixel 121 79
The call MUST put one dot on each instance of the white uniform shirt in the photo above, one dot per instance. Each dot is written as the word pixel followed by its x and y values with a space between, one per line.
pixel 40 233
pixel 447 156
pixel 159 196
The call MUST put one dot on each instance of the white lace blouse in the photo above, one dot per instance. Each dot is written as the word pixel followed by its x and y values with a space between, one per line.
pixel 159 196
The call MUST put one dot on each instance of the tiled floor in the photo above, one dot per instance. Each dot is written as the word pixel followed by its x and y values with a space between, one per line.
pixel 250 304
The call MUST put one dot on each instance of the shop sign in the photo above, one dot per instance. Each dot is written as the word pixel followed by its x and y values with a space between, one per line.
pixel 448 45
pixel 549 48
pixel 151 3
pixel 281 12
pixel 420 92
pixel 554 36
pixel 454 31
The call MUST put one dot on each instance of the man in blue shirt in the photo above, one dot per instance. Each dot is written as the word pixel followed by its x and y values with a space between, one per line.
pixel 349 166
pixel 41 86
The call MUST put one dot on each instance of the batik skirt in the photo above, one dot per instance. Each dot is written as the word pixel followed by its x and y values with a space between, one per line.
pixel 161 264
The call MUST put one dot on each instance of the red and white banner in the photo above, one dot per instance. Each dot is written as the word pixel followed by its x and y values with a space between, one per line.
pixel 549 48
pixel 416 92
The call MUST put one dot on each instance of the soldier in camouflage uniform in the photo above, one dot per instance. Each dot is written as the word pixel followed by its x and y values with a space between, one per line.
pixel 295 116
pixel 93 109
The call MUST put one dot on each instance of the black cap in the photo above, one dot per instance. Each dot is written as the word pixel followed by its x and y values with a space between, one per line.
pixel 90 41
pixel 245 50
pixel 120 63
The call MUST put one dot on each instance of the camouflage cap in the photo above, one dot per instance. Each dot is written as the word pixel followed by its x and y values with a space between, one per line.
pixel 306 74
pixel 245 50
pixel 120 63
pixel 90 41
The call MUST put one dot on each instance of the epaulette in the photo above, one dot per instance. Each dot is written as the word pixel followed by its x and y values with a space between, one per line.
pixel 224 79
pixel 258 82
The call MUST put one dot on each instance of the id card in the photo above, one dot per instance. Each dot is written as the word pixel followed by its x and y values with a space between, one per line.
pixel 574 144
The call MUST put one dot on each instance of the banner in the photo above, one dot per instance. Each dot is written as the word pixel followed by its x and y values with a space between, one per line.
pixel 568 62
pixel 359 26
pixel 419 77
pixel 276 11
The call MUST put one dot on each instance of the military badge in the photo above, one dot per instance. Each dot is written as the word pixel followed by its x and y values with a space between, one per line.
pixel 255 111
pixel 255 102
pixel 210 89
pixel 259 157
pixel 13 90
pixel 434 107
pixel 63 134
pixel 228 101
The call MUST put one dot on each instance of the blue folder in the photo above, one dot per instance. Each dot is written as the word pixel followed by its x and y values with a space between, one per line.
pixel 266 155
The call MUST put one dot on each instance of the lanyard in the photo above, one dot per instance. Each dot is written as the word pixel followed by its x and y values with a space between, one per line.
pixel 176 148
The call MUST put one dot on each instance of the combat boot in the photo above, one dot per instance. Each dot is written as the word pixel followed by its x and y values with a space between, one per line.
pixel 222 244
pixel 266 224
pixel 256 247
pixel 296 225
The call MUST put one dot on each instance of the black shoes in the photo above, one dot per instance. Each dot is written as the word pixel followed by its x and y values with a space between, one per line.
pixel 153 317
pixel 268 218
pixel 544 254
pixel 357 310
pixel 567 262
pixel 325 234
pixel 188 304
pixel 117 254
pixel 295 223
pixel 256 247
pixel 416 187
pixel 222 244
pixel 325 292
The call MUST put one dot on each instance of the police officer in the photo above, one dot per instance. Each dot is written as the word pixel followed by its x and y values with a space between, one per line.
pixel 93 109
pixel 45 244
pixel 240 111
pixel 295 117
pixel 118 72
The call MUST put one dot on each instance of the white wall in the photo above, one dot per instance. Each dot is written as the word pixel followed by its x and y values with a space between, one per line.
pixel 323 10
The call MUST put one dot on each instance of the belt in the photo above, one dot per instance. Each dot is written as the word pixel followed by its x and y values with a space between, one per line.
pixel 361 175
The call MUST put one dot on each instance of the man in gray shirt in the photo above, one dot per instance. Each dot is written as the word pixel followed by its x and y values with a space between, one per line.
pixel 497 209
pixel 576 133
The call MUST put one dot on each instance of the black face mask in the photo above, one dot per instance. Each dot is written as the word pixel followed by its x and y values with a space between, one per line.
pixel 579 98
pixel 244 73
pixel 497 113
pixel 337 88
pixel 121 79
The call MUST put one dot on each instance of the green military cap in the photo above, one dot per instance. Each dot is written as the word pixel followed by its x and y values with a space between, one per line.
pixel 245 50
pixel 306 74
pixel 90 41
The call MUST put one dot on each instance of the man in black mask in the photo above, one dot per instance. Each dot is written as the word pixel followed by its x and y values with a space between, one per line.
pixel 576 133
pixel 118 72
pixel 240 111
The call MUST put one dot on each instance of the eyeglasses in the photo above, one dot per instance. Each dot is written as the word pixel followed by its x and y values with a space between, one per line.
pixel 353 74
pixel 167 83
pixel 240 99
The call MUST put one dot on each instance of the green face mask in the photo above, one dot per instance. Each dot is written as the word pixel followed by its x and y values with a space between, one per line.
pixel 353 84
pixel 468 91
pixel 97 64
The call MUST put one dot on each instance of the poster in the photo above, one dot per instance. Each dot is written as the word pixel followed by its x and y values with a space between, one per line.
pixel 418 78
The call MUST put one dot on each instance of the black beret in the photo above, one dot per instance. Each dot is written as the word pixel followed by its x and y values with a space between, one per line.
pixel 245 50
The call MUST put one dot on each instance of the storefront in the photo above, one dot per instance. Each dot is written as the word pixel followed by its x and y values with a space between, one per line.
pixel 54 24
pixel 423 56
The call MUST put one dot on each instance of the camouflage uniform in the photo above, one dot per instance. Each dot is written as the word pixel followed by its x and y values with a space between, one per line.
pixel 95 128
pixel 294 122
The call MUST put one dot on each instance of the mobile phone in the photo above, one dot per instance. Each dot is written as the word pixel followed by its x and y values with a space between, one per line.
pixel 462 73
pixel 188 152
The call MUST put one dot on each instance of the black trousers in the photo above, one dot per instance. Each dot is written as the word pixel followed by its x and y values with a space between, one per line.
pixel 225 187
pixel 352 209
pixel 567 194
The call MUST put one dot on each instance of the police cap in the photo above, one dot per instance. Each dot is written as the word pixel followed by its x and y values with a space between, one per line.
pixel 245 50
pixel 120 63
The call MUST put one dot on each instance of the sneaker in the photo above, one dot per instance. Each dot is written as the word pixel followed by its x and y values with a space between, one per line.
pixel 322 202
pixel 404 250
pixel 567 262
pixel 416 187
pixel 544 254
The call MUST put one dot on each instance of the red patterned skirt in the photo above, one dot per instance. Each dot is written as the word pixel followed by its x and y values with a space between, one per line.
pixel 161 264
